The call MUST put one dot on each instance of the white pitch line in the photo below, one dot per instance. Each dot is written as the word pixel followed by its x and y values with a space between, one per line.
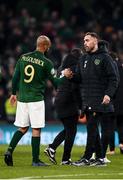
pixel 87 174
pixel 67 175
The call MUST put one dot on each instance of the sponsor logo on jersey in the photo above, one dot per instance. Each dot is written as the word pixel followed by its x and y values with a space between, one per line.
pixel 85 64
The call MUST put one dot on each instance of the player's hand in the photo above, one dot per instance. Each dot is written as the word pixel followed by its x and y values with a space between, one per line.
pixel 68 73
pixel 13 99
pixel 106 99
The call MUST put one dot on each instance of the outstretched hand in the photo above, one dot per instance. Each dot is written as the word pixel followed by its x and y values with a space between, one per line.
pixel 68 73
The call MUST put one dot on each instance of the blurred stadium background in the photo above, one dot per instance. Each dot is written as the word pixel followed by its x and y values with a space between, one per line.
pixel 64 21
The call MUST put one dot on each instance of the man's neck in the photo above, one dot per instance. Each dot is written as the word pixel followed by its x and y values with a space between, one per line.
pixel 95 48
pixel 40 50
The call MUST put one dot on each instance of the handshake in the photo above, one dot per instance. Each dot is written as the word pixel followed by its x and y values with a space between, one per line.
pixel 67 73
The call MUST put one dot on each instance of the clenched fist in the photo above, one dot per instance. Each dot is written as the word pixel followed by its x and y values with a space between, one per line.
pixel 68 73
pixel 106 99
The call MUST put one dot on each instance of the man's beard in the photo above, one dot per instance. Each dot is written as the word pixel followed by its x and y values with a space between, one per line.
pixel 88 49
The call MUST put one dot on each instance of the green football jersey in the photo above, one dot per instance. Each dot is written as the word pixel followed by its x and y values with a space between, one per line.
pixel 31 73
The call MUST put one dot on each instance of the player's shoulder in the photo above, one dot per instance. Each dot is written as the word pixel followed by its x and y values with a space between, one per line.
pixel 48 61
pixel 28 54
pixel 23 56
pixel 107 58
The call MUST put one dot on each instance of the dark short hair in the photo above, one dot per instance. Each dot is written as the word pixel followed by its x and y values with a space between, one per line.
pixel 103 43
pixel 93 34
pixel 77 52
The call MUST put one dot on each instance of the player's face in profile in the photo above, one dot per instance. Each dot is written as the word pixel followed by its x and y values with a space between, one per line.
pixel 89 43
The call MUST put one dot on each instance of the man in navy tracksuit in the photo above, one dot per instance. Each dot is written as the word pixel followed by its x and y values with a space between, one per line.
pixel 99 79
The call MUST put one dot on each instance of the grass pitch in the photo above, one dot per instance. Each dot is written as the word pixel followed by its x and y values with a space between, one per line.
pixel 22 168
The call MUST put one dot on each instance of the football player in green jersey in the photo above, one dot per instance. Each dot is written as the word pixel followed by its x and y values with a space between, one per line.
pixel 29 80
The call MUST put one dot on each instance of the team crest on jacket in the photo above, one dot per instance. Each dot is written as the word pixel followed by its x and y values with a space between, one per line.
pixel 97 61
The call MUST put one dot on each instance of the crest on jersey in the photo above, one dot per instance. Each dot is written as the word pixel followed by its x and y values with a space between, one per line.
pixel 97 61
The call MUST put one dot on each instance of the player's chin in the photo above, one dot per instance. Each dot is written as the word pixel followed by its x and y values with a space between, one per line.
pixel 87 49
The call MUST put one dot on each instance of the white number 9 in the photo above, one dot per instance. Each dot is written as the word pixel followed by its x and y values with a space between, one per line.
pixel 29 74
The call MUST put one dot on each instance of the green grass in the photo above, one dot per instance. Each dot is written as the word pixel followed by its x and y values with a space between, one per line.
pixel 22 166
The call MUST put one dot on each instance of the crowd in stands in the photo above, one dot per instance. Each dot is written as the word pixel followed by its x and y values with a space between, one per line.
pixel 19 28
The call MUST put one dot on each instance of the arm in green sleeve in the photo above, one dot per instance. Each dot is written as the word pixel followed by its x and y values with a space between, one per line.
pixel 52 76
pixel 57 81
pixel 16 78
